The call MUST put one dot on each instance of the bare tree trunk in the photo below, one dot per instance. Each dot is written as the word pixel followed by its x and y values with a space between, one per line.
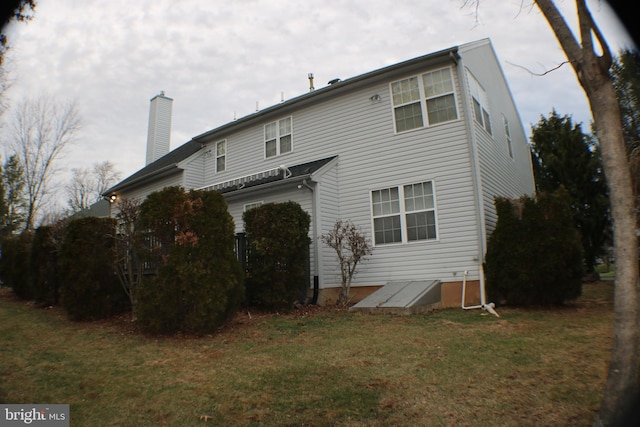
pixel 592 70
pixel 40 131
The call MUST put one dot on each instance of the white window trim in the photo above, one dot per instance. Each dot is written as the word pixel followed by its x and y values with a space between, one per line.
pixel 478 93
pixel 507 137
pixel 251 205
pixel 423 101
pixel 403 213
pixel 278 137
pixel 216 156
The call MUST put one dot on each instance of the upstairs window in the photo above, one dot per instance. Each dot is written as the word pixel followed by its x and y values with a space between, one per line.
pixel 507 134
pixel 480 103
pixel 251 205
pixel 221 156
pixel 278 138
pixel 428 98
pixel 404 214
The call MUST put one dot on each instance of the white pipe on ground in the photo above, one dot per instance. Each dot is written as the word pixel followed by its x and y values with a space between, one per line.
pixel 483 297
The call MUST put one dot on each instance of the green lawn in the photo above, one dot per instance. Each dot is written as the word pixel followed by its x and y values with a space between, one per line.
pixel 318 367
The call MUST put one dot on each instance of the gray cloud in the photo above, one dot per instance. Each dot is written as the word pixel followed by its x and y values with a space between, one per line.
pixel 217 59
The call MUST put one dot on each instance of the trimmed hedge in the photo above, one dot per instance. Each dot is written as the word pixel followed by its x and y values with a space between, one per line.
pixel 534 255
pixel 15 266
pixel 198 283
pixel 278 241
pixel 44 274
pixel 89 286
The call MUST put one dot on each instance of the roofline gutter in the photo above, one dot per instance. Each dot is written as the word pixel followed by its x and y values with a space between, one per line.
pixel 266 186
pixel 133 182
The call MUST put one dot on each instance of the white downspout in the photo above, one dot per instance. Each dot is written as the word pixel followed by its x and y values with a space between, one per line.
pixel 477 178
pixel 316 232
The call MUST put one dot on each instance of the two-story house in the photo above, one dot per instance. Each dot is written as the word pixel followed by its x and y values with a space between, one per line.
pixel 413 153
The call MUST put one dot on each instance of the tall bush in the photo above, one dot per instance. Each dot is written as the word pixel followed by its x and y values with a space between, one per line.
pixel 44 257
pixel 198 283
pixel 89 286
pixel 15 268
pixel 278 241
pixel 534 255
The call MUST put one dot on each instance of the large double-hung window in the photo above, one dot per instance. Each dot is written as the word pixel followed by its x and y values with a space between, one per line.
pixel 424 100
pixel 404 213
pixel 278 137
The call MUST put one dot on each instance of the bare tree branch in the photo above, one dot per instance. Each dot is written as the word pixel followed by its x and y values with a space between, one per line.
pixel 539 74
pixel 40 131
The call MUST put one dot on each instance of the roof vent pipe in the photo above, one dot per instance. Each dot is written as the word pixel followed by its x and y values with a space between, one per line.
pixel 285 170
pixel 311 88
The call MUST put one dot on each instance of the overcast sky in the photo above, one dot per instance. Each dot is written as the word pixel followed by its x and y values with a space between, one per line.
pixel 218 59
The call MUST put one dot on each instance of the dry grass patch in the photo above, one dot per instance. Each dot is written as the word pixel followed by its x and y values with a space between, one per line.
pixel 317 367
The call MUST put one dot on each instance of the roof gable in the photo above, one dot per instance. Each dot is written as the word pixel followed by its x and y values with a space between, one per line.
pixel 170 162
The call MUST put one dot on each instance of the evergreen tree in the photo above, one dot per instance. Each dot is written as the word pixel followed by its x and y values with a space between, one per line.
pixel 563 156
pixel 12 191
pixel 198 282
pixel 626 80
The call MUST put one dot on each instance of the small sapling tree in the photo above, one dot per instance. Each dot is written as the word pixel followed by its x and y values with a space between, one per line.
pixel 127 244
pixel 351 246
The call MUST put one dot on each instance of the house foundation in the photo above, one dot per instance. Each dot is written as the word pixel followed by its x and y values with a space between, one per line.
pixel 450 295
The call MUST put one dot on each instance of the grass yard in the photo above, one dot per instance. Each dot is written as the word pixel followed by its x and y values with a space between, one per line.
pixel 318 367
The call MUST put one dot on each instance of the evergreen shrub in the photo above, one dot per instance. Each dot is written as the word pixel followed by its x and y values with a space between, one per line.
pixel 89 285
pixel 278 242
pixel 44 256
pixel 534 255
pixel 15 268
pixel 198 282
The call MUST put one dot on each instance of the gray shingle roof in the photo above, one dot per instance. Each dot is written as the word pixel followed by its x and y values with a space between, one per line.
pixel 163 164
pixel 298 171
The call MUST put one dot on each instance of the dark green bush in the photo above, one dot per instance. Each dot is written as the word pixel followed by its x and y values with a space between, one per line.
pixel 198 283
pixel 278 241
pixel 44 256
pixel 534 255
pixel 15 268
pixel 88 282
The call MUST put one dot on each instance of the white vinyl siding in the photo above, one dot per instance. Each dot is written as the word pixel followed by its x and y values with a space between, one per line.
pixel 278 137
pixel 500 174
pixel 428 98
pixel 373 154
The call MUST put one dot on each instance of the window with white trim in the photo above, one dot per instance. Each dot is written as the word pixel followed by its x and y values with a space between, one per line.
pixel 404 213
pixel 221 156
pixel 428 98
pixel 480 103
pixel 278 137
pixel 507 134
pixel 251 205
